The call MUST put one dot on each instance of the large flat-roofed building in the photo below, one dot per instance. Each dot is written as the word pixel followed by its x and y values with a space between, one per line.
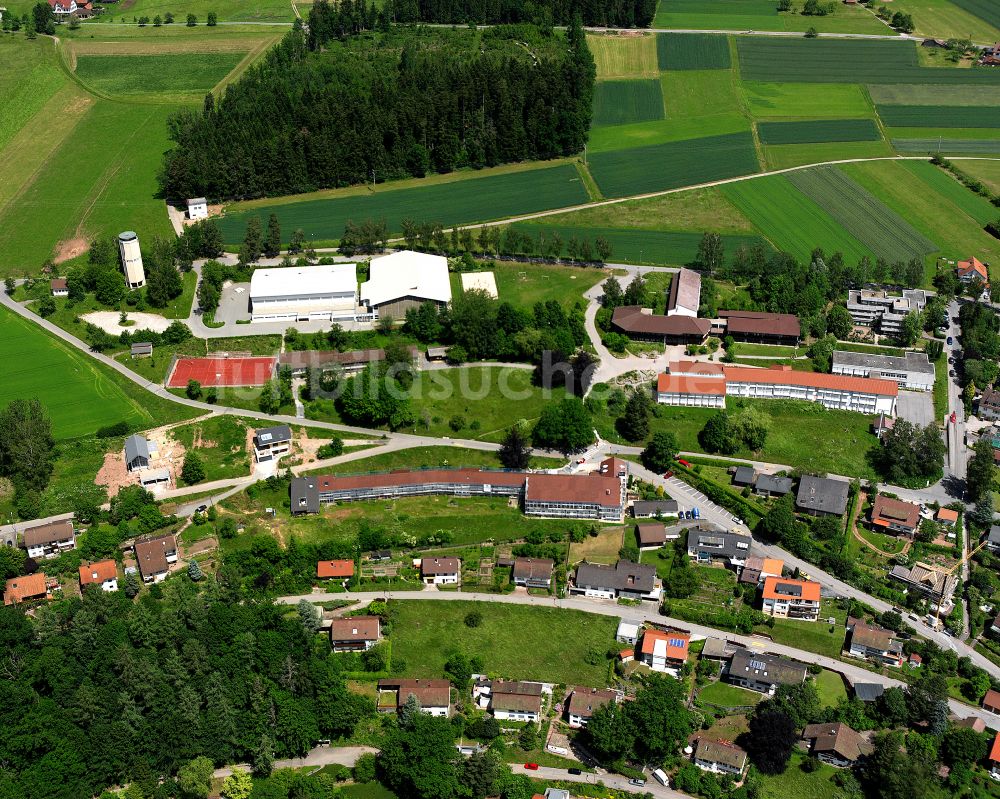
pixel 304 293
pixel 913 371
pixel 685 294
pixel 883 311
pixel 860 394
pixel 763 328
pixel 690 391
pixel 641 323
pixel 405 280
pixel 592 496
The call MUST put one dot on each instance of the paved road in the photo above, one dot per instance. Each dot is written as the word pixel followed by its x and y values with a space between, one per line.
pixel 320 756
pixel 637 615
pixel 610 780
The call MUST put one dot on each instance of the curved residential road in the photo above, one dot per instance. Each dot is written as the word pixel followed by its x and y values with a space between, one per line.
pixel 319 757
pixel 606 607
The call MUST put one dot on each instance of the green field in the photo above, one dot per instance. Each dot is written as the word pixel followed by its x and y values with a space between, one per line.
pixel 948 146
pixel 430 458
pixel 796 781
pixel 792 221
pixel 986 171
pixel 692 51
pixel 837 100
pixel 623 56
pixel 30 78
pixel 939 116
pixel 168 75
pixel 976 206
pixel 222 445
pixel 524 287
pixel 814 131
pixel 619 102
pixel 783 156
pixel 726 695
pixel 659 247
pixel 762 15
pixel 462 198
pixel 952 19
pixel 227 11
pixel 923 94
pixel 79 393
pixel 514 642
pixel 860 213
pixel 984 9
pixel 845 61
pixel 673 164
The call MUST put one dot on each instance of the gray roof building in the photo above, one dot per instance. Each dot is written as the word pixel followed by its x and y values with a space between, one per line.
pixel 822 496
pixel 623 576
pixel 644 509
pixel 707 543
pixel 913 370
pixel 269 436
pixel 685 293
pixel 744 476
pixel 868 691
pixel 994 536
pixel 136 452
pixel 775 486
pixel 304 495
pixel 765 668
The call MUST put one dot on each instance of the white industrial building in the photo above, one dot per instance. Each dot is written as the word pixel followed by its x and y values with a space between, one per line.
pixel 913 370
pixel 128 248
pixel 405 280
pixel 684 298
pixel 197 208
pixel 304 293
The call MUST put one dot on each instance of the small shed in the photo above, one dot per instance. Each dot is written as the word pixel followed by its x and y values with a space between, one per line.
pixel 142 349
pixel 59 287
pixel 197 208
pixel 437 353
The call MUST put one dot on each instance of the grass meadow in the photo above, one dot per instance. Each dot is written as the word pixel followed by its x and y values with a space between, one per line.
pixel 619 102
pixel 837 100
pixel 167 76
pixel 220 442
pixel 941 182
pixel 953 19
pixel 431 457
pixel 986 171
pixel 226 10
pixel 624 56
pixel 524 286
pixel 686 51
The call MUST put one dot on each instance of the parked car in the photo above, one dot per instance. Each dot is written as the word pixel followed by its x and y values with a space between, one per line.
pixel 684 463
pixel 668 475
pixel 201 509
pixel 696 514
pixel 531 766
pixel 636 781
pixel 949 341
pixel 575 771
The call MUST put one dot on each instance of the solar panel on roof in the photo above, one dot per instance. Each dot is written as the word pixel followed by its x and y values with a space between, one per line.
pixel 757 665
pixel 676 642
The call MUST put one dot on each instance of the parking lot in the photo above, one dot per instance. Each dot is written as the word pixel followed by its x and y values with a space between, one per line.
pixel 916 407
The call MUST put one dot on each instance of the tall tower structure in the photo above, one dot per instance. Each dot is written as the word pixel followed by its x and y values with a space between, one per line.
pixel 128 248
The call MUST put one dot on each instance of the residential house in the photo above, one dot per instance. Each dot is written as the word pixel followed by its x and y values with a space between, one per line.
pixel 719 757
pixel 967 271
pixel 791 599
pixel 516 701
pixel 533 572
pixel 584 701
pixel 769 485
pixel 946 516
pixel 441 571
pixel 554 793
pixel 937 586
pixel 103 573
pixel 197 208
pixel 271 443
pixel 25 589
pixel 744 476
pixel 759 569
pixel 665 651
pixel 59 287
pixel 868 691
pixel 822 496
pixel 154 556
pixel 624 580
pixel 50 540
pixel 434 696
pixel 836 744
pixel 340 570
pixel 628 633
pixel 991 702
pixel 874 643
pixel 138 452
pixel 650 509
pixel 994 755
pixel 763 672
pixel 355 633
pixel 62 8
pixel 988 405
pixel 995 625
pixel 651 536
pixel 894 516
pixel 915 661
pixel 707 544
pixel 973 723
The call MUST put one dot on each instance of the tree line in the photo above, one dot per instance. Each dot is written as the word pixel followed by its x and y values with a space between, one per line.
pixel 385 105
pixel 599 13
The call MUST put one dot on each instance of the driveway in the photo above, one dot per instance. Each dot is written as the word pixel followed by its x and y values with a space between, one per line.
pixel 234 304
pixel 916 407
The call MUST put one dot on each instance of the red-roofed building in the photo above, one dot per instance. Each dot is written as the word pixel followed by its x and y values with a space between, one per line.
pixel 593 496
pixel 103 573
pixel 991 701
pixel 967 271
pixel 994 757
pixel 861 394
pixel 24 589
pixel 765 328
pixel 335 569
pixel 701 391
pixel 62 7
pixel 947 516
pixel 59 287
pixel 664 651
pixel 894 516
pixel 791 599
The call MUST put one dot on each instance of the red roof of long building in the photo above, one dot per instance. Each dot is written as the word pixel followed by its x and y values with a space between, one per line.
pixel 335 568
pixel 594 489
pixel 690 384
pixel 760 323
pixel 780 376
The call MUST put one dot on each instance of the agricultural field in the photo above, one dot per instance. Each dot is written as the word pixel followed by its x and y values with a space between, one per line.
pixel 953 19
pixel 226 10
pixel 762 15
pixel 923 94
pixel 172 77
pixel 456 199
pixel 816 131
pixel 619 102
pixel 946 146
pixel 837 100
pixel 516 642
pixel 986 171
pixel 884 232
pixel 618 56
pixel 940 181
pixel 684 51
pixel 673 164
pixel 938 116
pixel 984 9
pixel 785 156
pixel 430 457
pixel 79 393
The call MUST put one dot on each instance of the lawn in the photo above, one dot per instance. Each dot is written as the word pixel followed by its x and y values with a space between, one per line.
pixel 801 784
pixel 459 198
pixel 623 56
pixel 620 102
pixel 220 442
pixel 367 790
pixel 761 15
pixel 812 636
pixel 601 548
pixel 430 457
pixel 692 51
pixel 174 75
pixel 29 79
pixel 953 19
pixel 815 131
pixel 837 100
pixel 79 393
pixel 529 643
pixel 705 93
pixel 524 285
pixel 673 164
pixel 227 10
pixel 726 695
pixel 861 213
pixel 791 220
pixel 830 687
pixel 943 183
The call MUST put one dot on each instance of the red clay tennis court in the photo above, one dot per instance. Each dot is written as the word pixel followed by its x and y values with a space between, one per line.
pixel 219 372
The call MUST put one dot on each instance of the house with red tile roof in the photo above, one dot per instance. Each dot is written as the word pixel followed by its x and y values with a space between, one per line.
pixel 103 573
pixel 664 651
pixel 991 701
pixel 335 569
pixel 894 516
pixel 973 269
pixel 24 589
pixel 994 757
pixel 785 598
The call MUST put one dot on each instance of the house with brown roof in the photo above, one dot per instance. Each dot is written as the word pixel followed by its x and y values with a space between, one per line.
pixel 50 540
pixel 946 516
pixel 25 589
pixel 154 557
pixel 583 702
pixel 339 570
pixel 991 701
pixel 994 757
pixel 642 324
pixel 836 744
pixel 874 643
pixel 103 573
pixel 434 696
pixel 651 536
pixel 516 701
pixel 573 496
pixel 684 297
pixel 665 651
pixel 762 328
pixel 938 587
pixel 988 405
pixel 784 598
pixel 59 287
pixel 719 757
pixel 533 572
pixel 355 633
pixel 441 571
pixel 894 516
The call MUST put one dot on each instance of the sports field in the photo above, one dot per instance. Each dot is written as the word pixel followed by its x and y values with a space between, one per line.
pixel 816 131
pixel 170 75
pixel 619 102
pixel 666 166
pixel 219 372
pixel 761 15
pixel 79 394
pixel 456 199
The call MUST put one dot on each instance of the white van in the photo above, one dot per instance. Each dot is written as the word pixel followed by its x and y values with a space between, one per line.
pixel 661 778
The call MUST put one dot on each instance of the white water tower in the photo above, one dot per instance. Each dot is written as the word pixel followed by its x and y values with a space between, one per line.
pixel 128 247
